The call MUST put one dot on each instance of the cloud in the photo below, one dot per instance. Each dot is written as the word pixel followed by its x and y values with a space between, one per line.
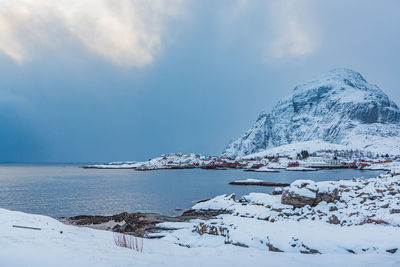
pixel 125 32
pixel 10 20
pixel 287 28
pixel 294 28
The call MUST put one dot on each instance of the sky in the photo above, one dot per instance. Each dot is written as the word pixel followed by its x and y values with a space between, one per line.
pixel 106 80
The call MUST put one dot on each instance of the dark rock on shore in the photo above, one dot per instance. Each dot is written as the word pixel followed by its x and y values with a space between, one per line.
pixel 202 214
pixel 138 224
pixel 259 183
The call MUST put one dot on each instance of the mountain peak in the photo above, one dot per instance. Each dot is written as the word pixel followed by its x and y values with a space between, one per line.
pixel 339 107
pixel 337 81
pixel 347 74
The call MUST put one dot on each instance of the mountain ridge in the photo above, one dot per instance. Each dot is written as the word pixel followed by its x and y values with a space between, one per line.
pixel 339 107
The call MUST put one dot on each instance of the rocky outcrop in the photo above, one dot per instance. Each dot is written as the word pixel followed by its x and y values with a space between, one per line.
pixel 340 107
pixel 139 224
pixel 306 192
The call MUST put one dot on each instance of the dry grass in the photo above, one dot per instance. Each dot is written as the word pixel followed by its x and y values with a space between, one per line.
pixel 129 241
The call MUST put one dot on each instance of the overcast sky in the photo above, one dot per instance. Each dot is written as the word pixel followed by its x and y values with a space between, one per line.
pixel 105 80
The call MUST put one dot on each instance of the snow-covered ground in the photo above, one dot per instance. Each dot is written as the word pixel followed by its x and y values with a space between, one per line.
pixel 89 247
pixel 393 166
pixel 358 227
pixel 295 148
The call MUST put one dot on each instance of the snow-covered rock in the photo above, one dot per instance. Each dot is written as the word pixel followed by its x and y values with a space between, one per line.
pixel 306 192
pixel 265 169
pixel 340 107
pixel 277 191
pixel 300 193
pixel 365 220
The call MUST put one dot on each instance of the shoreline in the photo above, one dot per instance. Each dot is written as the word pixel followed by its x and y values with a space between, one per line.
pixel 355 219
pixel 297 194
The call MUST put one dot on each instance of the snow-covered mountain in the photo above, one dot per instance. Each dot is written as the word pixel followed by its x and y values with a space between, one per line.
pixel 340 107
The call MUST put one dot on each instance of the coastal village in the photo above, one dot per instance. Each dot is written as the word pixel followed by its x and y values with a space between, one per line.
pixel 302 161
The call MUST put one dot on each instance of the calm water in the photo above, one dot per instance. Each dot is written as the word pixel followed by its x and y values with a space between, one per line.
pixel 69 190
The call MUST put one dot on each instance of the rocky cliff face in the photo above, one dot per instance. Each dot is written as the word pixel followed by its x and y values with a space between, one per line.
pixel 340 107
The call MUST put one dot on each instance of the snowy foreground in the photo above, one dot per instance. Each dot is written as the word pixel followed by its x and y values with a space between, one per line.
pixel 359 227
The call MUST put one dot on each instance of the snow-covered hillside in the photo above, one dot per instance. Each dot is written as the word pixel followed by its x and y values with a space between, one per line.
pixel 340 107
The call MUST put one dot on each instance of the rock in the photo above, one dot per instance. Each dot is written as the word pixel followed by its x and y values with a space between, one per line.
pixel 333 220
pixel 273 249
pixel 327 196
pixel 385 206
pixel 333 208
pixel 356 213
pixel 394 211
pixel 372 221
pixel 260 183
pixel 306 192
pixel 139 224
pixel 240 245
pixel 127 228
pixel 394 250
pixel 327 191
pixel 309 250
pixel 117 228
pixel 300 193
pixel 203 200
pixel 296 200
pixel 203 214
pixel 89 219
pixel 277 191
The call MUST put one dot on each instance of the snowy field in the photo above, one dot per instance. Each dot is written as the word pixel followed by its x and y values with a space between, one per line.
pixel 89 247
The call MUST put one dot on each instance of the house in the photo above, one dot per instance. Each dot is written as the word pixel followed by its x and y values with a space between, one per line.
pixel 323 161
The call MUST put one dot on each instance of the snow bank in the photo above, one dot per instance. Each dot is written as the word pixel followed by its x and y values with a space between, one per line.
pixel 88 247
pixel 295 148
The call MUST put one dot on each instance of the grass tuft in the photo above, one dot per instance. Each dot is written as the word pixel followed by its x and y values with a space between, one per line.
pixel 128 241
